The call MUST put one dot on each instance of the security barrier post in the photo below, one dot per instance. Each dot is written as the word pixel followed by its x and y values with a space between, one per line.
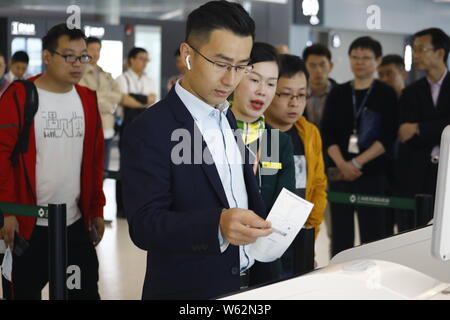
pixel 57 253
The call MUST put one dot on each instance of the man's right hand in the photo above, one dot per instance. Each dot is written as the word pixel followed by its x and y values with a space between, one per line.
pixel 7 232
pixel 349 171
pixel 241 227
pixel 151 99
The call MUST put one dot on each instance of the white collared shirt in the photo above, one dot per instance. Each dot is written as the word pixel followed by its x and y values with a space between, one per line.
pixel 436 87
pixel 130 82
pixel 11 77
pixel 435 91
pixel 220 139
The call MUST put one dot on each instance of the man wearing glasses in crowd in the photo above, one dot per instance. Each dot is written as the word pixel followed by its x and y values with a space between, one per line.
pixel 195 212
pixel 63 164
pixel 135 83
pixel 359 124
pixel 424 113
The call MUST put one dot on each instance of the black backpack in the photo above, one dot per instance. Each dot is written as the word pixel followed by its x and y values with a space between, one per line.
pixel 30 109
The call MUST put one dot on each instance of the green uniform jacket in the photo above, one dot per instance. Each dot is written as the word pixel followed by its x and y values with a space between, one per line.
pixel 271 184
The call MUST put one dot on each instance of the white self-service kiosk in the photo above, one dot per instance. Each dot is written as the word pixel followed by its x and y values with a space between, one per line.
pixel 411 265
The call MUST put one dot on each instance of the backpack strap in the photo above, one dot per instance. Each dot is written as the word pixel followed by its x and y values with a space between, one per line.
pixel 30 109
pixel 1 218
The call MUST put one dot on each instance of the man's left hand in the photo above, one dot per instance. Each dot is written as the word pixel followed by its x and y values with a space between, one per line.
pixel 407 131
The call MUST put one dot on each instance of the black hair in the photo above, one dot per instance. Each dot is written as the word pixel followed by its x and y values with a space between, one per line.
pixel 2 55
pixel 135 51
pixel 367 43
pixel 218 15
pixel 50 40
pixel 93 40
pixel 263 52
pixel 317 49
pixel 439 39
pixel 394 59
pixel 20 56
pixel 177 53
pixel 290 65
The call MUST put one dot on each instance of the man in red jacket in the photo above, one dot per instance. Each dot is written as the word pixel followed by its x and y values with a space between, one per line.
pixel 63 164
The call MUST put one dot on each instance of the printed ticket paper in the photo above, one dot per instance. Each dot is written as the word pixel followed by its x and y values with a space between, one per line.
pixel 288 215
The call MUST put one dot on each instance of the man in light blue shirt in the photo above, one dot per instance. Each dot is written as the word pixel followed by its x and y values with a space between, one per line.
pixel 196 208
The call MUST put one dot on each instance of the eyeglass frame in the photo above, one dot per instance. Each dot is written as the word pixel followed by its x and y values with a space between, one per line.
pixel 283 95
pixel 147 60
pixel 221 65
pixel 364 58
pixel 422 49
pixel 65 56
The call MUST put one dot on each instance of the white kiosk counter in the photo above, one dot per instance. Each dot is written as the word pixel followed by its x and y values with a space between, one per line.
pixel 411 265
pixel 355 280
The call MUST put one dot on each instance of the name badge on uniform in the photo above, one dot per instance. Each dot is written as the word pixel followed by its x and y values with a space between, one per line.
pixel 271 165
pixel 353 144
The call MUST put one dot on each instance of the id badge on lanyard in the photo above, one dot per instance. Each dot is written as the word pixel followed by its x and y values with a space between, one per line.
pixel 353 147
pixel 353 143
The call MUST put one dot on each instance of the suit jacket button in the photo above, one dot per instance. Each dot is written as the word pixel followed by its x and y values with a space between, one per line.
pixel 234 271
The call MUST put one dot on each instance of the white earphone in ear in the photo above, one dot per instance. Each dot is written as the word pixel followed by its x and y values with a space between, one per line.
pixel 188 64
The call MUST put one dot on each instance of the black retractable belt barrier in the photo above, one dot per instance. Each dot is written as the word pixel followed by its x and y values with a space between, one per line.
pixel 57 241
pixel 57 255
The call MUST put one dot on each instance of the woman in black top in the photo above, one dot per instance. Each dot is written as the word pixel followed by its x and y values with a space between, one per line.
pixel 359 124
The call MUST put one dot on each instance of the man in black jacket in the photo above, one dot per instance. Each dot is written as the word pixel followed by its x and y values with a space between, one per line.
pixel 358 126
pixel 317 58
pixel 424 113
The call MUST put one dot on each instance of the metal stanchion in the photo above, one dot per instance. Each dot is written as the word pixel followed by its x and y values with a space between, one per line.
pixel 424 209
pixel 57 251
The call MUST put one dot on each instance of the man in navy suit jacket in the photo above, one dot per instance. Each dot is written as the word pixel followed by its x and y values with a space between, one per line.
pixel 192 208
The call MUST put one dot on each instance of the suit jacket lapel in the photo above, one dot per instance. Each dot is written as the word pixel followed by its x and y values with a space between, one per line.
pixel 426 94
pixel 443 101
pixel 183 115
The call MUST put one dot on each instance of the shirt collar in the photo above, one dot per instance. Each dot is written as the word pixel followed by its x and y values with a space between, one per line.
pixel 439 83
pixel 199 109
pixel 135 75
pixel 327 91
pixel 11 76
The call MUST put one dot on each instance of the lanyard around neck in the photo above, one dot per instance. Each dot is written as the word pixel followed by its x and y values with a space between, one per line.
pixel 357 113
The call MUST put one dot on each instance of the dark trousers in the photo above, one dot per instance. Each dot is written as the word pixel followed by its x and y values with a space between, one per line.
pixel 107 153
pixel 372 220
pixel 119 200
pixel 30 271
pixel 6 285
pixel 299 257
pixel 409 188
pixel 405 220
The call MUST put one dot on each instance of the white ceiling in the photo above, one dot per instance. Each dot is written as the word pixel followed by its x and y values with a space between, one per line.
pixel 150 9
